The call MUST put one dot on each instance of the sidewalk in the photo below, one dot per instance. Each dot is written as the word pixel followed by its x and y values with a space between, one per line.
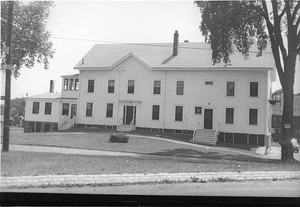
pixel 123 179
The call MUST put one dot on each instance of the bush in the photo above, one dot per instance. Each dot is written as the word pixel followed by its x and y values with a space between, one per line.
pixel 120 138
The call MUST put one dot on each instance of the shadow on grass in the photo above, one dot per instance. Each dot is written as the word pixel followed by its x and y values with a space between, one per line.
pixel 182 152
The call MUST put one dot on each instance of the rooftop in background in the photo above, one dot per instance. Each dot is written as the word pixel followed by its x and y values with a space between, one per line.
pixel 46 96
pixel 277 110
pixel 189 55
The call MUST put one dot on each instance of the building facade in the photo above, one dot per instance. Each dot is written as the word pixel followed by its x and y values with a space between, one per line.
pixel 172 88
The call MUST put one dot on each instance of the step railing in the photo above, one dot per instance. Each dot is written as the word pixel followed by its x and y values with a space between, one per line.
pixel 132 126
pixel 196 128
pixel 62 121
pixel 71 122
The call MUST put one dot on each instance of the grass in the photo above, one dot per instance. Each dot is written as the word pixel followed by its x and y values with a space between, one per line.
pixel 15 163
pixel 100 141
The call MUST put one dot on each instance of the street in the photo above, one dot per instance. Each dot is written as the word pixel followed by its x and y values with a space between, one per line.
pixel 286 188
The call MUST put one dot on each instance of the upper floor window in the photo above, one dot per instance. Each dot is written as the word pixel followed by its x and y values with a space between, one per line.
pixel 253 116
pixel 48 107
pixel 36 107
pixel 71 84
pixel 66 81
pixel 130 86
pixel 111 86
pixel 253 89
pixel 178 113
pixel 109 110
pixel 65 109
pixel 209 83
pixel 157 86
pixel 229 115
pixel 230 89
pixel 91 84
pixel 155 112
pixel 89 109
pixel 179 87
pixel 76 87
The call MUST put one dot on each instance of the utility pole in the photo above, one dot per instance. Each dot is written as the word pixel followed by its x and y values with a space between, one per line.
pixel 8 67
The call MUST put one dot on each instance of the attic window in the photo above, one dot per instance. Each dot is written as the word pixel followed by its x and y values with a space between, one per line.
pixel 209 83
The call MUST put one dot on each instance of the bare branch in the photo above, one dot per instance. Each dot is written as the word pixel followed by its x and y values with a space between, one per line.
pixel 282 13
pixel 297 7
pixel 274 44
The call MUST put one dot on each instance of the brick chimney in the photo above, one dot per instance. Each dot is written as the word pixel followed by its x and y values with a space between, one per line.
pixel 51 86
pixel 175 43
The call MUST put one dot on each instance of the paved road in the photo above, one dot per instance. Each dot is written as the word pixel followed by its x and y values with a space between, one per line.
pixel 286 188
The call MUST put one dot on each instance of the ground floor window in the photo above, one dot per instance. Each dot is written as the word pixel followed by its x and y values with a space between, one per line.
pixel 89 109
pixel 178 113
pixel 48 107
pixel 155 112
pixel 229 115
pixel 65 109
pixel 109 110
pixel 253 116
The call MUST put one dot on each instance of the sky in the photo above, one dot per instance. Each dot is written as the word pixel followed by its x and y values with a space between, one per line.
pixel 108 21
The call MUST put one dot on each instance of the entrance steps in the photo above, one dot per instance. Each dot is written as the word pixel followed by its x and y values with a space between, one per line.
pixel 205 136
pixel 125 128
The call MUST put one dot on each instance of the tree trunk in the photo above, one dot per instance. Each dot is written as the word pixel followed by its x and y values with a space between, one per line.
pixel 287 114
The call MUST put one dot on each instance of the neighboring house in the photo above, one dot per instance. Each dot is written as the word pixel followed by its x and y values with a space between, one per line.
pixel 147 87
pixel 52 111
pixel 277 113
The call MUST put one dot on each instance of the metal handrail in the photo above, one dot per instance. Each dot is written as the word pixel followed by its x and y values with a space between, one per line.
pixel 132 124
pixel 71 122
pixel 62 121
pixel 196 128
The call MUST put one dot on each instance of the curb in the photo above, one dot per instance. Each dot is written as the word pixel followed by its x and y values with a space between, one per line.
pixel 118 179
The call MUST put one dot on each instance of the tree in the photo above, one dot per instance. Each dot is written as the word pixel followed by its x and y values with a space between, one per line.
pixel 30 39
pixel 240 24
pixel 17 111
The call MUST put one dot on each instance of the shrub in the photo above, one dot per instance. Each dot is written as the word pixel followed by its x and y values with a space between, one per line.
pixel 120 138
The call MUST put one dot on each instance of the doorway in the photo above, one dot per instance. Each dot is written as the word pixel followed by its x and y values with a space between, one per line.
pixel 73 110
pixel 208 118
pixel 129 113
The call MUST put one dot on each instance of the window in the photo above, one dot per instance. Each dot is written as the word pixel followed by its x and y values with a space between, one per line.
pixel 253 89
pixel 71 84
pixel 180 88
pixel 76 87
pixel 36 107
pixel 178 113
pixel 66 84
pixel 91 84
pixel 109 110
pixel 130 86
pixel 209 83
pixel 155 112
pixel 89 109
pixel 65 109
pixel 156 88
pixel 253 116
pixel 111 86
pixel 230 89
pixel 198 110
pixel 229 115
pixel 48 107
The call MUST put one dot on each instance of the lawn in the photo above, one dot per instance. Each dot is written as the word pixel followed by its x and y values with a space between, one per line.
pixel 100 141
pixel 15 163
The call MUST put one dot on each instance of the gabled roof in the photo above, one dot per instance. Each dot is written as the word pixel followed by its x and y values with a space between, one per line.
pixel 104 56
pixel 46 96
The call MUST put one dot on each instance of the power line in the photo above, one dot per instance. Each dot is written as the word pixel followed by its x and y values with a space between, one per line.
pixel 148 44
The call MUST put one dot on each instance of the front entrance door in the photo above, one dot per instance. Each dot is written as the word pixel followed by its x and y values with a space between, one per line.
pixel 208 118
pixel 129 113
pixel 73 110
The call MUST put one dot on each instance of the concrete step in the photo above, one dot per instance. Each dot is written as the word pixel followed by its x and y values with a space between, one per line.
pixel 125 128
pixel 205 136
